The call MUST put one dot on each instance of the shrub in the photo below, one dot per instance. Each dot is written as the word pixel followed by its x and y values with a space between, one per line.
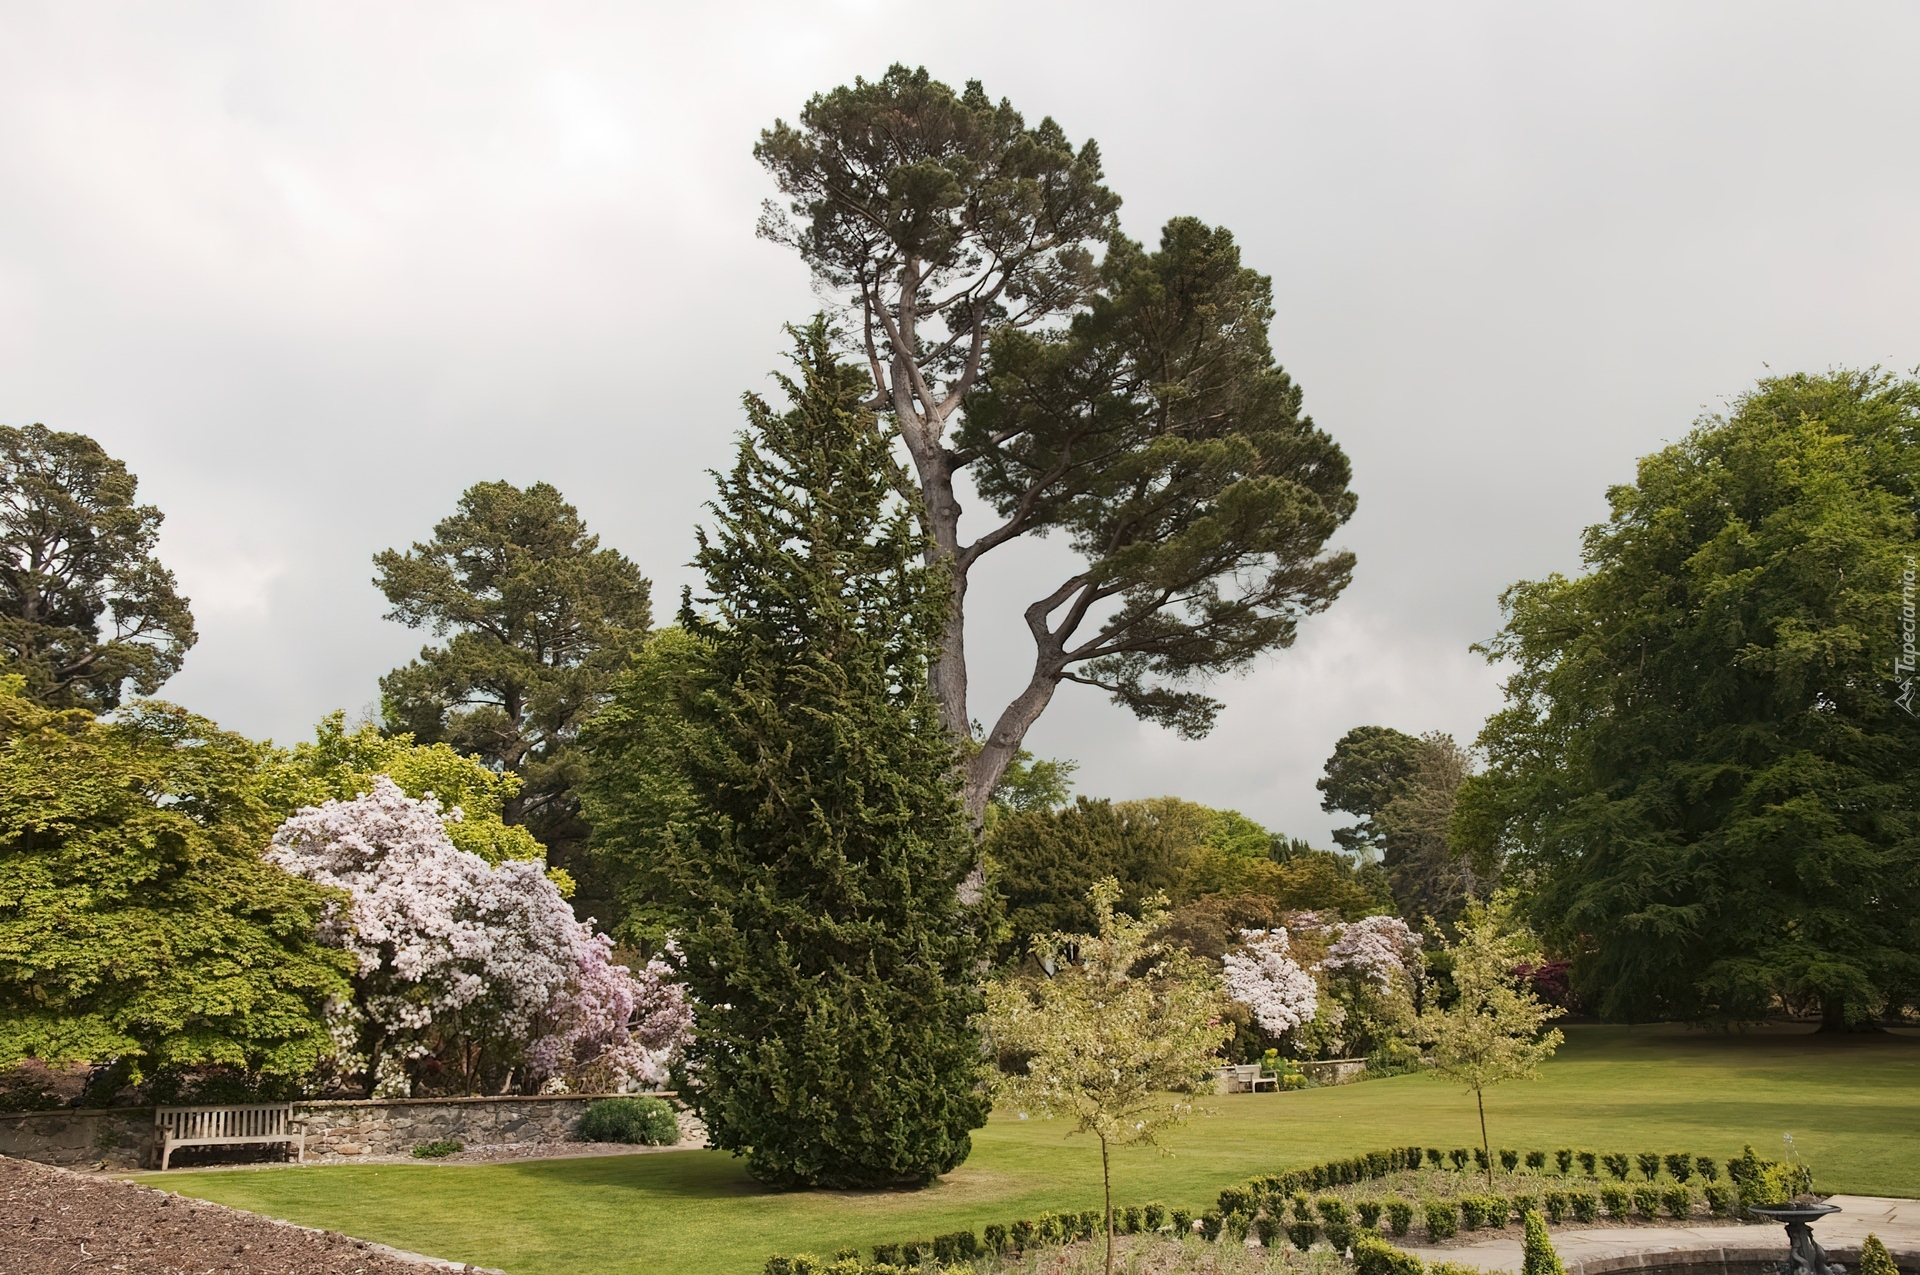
pixel 1678 1202
pixel 1302 1207
pixel 1234 1227
pixel 1374 1256
pixel 1556 1202
pixel 1399 1217
pixel 1154 1215
pixel 1453 1268
pixel 1497 1209
pixel 1680 1167
pixel 1540 1259
pixel 1588 1164
pixel 1267 1226
pixel 1369 1211
pixel 1480 1159
pixel 1617 1165
pixel 1302 1234
pixel 1649 1162
pixel 1524 1203
pixel 1209 1226
pixel 888 1254
pixel 995 1235
pixel 1473 1212
pixel 911 1252
pixel 1564 1158
pixel 778 1265
pixel 1332 1210
pixel 1413 1156
pixel 1182 1223
pixel 1509 1159
pixel 1235 1199
pixel 1339 1235
pixel 1536 1160
pixel 1706 1168
pixel 1443 1219
pixel 1584 1206
pixel 1130 1219
pixel 437 1149
pixel 1874 1258
pixel 1459 1157
pixel 1022 1234
pixel 1646 1201
pixel 1719 1200
pixel 649 1121
pixel 1434 1157
pixel 1617 1200
pixel 1091 1220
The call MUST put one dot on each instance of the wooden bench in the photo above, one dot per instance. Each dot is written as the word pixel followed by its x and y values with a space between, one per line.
pixel 226 1127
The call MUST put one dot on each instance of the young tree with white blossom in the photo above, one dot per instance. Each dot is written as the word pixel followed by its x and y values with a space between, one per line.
pixel 1115 1037
pixel 455 954
pixel 1496 1029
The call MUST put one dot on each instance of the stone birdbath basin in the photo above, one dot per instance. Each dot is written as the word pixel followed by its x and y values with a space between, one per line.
pixel 1804 1255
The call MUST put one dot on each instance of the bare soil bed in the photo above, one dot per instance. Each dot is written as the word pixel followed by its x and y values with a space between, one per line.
pixel 53 1222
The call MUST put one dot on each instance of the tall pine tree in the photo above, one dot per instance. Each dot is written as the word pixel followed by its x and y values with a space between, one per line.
pixel 815 875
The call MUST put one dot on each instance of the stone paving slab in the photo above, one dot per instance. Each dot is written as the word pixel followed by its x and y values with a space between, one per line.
pixel 1896 1221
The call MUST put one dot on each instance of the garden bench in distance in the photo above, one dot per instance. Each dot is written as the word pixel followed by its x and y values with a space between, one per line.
pixel 226 1126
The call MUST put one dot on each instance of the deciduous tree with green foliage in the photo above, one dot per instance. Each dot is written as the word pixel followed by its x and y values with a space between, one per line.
pixel 816 840
pixel 538 618
pixel 137 918
pixel 1116 1038
pixel 85 607
pixel 1493 1030
pixel 1153 430
pixel 1704 764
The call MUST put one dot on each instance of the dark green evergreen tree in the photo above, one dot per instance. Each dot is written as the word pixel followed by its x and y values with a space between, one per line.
pixel 814 878
pixel 1706 768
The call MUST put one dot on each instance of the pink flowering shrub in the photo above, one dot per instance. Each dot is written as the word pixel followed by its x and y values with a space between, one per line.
pixel 1262 976
pixel 1378 950
pixel 460 962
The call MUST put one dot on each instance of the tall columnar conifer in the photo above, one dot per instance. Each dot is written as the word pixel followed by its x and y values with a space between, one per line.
pixel 815 874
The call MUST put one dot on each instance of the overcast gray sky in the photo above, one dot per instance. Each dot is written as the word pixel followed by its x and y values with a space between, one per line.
pixel 313 269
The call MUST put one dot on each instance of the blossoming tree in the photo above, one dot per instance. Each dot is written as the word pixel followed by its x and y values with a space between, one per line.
pixel 1264 977
pixel 1373 968
pixel 456 959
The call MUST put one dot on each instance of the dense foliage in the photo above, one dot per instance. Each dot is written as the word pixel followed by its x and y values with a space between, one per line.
pixel 537 619
pixel 1705 766
pixel 1044 861
pixel 136 917
pixel 85 607
pixel 814 842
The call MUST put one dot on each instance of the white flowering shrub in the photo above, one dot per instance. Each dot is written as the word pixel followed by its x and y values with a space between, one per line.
pixel 1378 950
pixel 1262 976
pixel 483 967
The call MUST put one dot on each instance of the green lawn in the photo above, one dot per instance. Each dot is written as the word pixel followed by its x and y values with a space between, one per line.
pixel 1851 1104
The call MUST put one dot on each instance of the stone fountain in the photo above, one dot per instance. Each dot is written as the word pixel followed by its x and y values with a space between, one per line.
pixel 1804 1254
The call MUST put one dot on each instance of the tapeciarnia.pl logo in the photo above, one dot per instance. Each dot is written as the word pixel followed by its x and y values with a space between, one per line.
pixel 1904 660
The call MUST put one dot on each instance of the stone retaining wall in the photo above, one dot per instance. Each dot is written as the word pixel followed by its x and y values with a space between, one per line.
pixel 123 1137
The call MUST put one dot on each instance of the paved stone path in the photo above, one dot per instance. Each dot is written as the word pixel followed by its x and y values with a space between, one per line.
pixel 1895 1221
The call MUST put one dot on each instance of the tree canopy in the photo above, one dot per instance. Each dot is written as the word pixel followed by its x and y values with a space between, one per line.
pixel 1126 399
pixel 1370 766
pixel 85 606
pixel 815 842
pixel 1702 763
pixel 538 618
pixel 137 918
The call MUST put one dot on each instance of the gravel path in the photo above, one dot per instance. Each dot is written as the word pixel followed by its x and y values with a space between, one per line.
pixel 53 1222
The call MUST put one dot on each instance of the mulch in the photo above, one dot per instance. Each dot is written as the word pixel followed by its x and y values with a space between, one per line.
pixel 54 1222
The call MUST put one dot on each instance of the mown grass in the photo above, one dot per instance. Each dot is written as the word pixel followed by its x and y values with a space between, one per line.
pixel 1851 1104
